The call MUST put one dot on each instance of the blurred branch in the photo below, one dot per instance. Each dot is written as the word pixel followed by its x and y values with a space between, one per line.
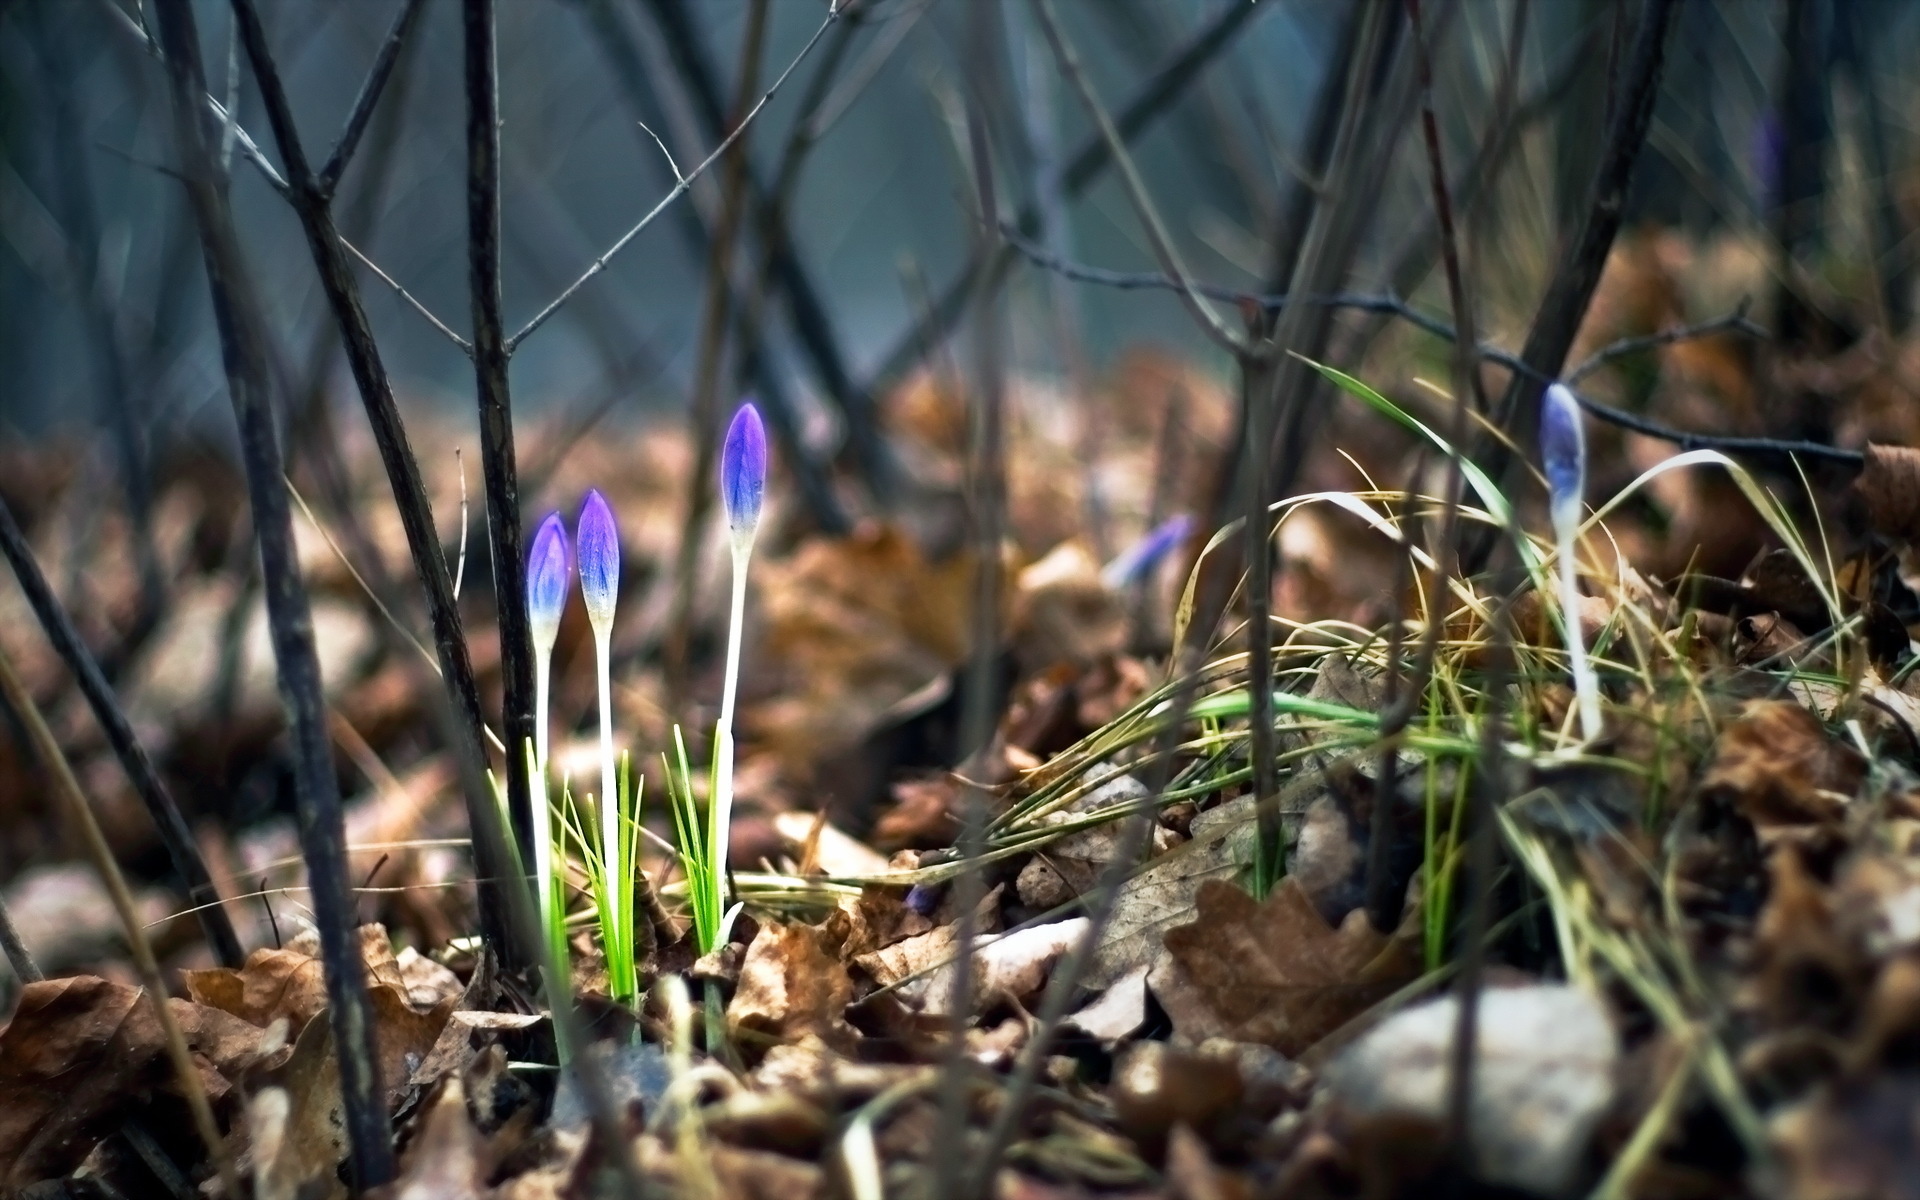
pixel 812 324
pixel 759 365
pixel 716 307
pixel 311 199
pixel 370 92
pixel 218 111
pixel 1390 305
pixel 67 789
pixel 1084 166
pixel 289 612
pixel 1136 188
pixel 153 793
pixel 1565 304
pixel 490 353
pixel 600 264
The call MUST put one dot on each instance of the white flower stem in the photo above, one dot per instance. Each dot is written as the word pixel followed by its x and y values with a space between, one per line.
pixel 610 839
pixel 542 818
pixel 1586 688
pixel 729 696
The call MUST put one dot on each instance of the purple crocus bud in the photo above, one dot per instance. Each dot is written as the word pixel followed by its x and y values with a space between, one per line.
pixel 1563 453
pixel 599 558
pixel 1137 561
pixel 743 470
pixel 547 579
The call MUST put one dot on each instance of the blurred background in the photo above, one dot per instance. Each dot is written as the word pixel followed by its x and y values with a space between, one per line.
pixel 97 257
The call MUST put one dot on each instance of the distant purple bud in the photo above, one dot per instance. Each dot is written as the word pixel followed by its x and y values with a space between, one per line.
pixel 1137 561
pixel 743 470
pixel 599 556
pixel 547 579
pixel 1563 452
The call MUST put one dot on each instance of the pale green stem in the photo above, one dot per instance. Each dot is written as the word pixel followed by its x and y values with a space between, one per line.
pixel 1586 688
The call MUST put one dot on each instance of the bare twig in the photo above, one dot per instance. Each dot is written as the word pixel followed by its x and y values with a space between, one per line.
pixel 716 307
pixel 600 264
pixel 1733 322
pixel 218 111
pixel 1565 303
pixel 174 834
pixel 1084 165
pixel 490 352
pixel 311 202
pixel 369 97
pixel 981 702
pixel 812 324
pixel 412 301
pixel 758 366
pixel 1158 238
pixel 67 788
pixel 290 619
pixel 18 956
pixel 1394 306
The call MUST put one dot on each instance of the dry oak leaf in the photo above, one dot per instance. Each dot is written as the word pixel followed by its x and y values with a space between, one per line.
pixel 1274 973
pixel 272 984
pixel 80 1052
pixel 792 983
pixel 1777 766
pixel 1889 482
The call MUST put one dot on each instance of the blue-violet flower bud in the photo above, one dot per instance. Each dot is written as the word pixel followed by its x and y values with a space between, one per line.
pixel 1139 560
pixel 547 581
pixel 743 470
pixel 1563 453
pixel 599 557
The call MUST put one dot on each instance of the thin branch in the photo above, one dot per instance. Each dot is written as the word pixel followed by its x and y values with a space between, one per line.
pixel 1084 166
pixel 466 347
pixel 1565 304
pixel 311 203
pixel 1394 306
pixel 813 327
pixel 717 306
pixel 67 788
pixel 1163 248
pixel 249 149
pixel 600 264
pixel 1733 322
pixel 289 612
pixel 490 353
pixel 153 793
pixel 369 97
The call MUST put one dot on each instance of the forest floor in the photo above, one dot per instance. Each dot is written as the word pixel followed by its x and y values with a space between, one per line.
pixel 1691 945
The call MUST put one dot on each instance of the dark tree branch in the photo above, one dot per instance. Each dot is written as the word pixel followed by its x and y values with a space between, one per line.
pixel 369 98
pixel 490 352
pixel 812 324
pixel 310 198
pixel 685 181
pixel 174 834
pixel 290 619
pixel 1084 166
pixel 758 365
pixel 1394 306
pixel 1564 306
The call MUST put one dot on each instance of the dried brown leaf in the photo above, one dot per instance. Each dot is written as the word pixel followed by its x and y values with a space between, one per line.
pixel 1274 973
pixel 82 1052
pixel 1777 766
pixel 1889 483
pixel 791 983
